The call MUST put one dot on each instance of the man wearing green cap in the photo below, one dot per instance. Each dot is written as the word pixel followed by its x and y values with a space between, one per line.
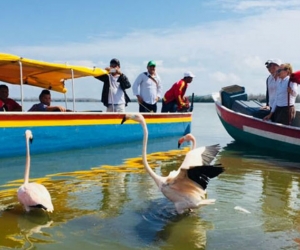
pixel 147 88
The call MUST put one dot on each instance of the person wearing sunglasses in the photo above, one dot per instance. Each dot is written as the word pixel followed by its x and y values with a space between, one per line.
pixel 283 107
pixel 272 66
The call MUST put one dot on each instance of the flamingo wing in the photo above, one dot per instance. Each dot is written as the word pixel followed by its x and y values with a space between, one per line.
pixel 35 195
pixel 202 174
pixel 200 156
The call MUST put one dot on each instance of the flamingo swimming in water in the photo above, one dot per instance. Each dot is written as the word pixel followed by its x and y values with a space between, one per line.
pixel 33 195
pixel 185 187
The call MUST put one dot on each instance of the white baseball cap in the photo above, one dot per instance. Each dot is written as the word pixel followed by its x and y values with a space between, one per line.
pixel 189 74
pixel 274 61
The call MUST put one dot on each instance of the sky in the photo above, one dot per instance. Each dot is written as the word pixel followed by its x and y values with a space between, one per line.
pixel 223 42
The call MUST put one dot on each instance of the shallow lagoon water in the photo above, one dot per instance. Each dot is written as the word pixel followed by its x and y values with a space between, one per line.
pixel 104 199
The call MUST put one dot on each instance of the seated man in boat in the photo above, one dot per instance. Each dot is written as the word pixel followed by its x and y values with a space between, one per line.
pixel 174 99
pixel 45 103
pixel 8 103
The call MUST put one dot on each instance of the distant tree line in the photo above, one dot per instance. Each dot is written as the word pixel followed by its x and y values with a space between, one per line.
pixel 206 98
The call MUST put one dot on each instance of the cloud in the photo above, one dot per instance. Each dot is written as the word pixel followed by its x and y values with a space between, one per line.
pixel 220 53
pixel 257 5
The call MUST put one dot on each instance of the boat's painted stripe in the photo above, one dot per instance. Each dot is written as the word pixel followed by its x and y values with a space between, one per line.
pixel 83 122
pixel 272 136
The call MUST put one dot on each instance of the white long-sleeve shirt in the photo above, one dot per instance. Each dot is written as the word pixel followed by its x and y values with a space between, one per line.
pixel 281 99
pixel 272 83
pixel 148 89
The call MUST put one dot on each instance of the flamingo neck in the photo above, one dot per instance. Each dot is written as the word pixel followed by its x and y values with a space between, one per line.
pixel 193 140
pixel 154 176
pixel 27 166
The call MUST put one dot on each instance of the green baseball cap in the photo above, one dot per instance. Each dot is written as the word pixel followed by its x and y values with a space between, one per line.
pixel 151 63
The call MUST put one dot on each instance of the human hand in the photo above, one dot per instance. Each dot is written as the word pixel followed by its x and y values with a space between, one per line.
pixel 267 117
pixel 140 99
pixel 265 108
pixel 61 108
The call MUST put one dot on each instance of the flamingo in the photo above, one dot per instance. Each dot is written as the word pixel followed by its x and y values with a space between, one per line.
pixel 185 187
pixel 33 195
pixel 198 156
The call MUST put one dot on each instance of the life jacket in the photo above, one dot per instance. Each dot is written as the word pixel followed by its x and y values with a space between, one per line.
pixel 295 77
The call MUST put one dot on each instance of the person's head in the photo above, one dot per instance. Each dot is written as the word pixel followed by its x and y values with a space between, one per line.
pixel 188 77
pixel 284 70
pixel 45 97
pixel 272 65
pixel 114 65
pixel 4 92
pixel 151 67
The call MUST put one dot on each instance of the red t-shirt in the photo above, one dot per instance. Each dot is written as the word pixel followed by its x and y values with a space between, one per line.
pixel 176 92
pixel 11 104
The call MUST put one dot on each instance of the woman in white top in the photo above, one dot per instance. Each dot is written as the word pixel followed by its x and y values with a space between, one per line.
pixel 283 109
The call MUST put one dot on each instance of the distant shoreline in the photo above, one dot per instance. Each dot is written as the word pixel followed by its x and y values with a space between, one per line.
pixel 197 99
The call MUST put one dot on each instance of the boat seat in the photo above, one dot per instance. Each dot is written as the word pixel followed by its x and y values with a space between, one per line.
pixel 252 108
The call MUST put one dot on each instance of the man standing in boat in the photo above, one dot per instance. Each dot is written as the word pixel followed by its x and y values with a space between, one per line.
pixel 174 99
pixel 147 88
pixel 114 96
pixel 8 104
pixel 272 81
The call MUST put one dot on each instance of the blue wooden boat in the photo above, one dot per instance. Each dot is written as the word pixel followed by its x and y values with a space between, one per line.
pixel 57 131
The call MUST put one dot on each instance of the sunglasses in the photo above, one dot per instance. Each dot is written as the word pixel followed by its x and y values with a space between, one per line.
pixel 279 70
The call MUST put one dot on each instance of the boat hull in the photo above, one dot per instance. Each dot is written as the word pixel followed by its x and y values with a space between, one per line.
pixel 259 133
pixel 66 131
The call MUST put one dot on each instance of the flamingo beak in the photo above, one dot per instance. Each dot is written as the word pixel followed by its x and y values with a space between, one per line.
pixel 30 140
pixel 124 119
pixel 180 141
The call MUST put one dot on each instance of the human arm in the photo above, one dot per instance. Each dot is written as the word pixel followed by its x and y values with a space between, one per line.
pixel 136 88
pixel 159 89
pixel 56 108
pixel 179 91
pixel 268 117
pixel 102 78
pixel 13 105
pixel 124 82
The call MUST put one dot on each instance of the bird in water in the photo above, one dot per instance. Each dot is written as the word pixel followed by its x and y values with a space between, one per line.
pixel 33 195
pixel 185 187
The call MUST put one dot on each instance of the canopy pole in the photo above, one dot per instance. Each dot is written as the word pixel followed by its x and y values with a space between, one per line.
pixel 73 93
pixel 66 103
pixel 21 83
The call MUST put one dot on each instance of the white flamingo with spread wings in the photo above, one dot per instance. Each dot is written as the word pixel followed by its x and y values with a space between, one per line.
pixel 186 186
pixel 33 195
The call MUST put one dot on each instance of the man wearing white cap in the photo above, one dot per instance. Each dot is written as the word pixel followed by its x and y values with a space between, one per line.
pixel 272 81
pixel 174 97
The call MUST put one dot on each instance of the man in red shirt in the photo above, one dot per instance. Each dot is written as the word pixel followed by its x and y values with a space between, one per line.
pixel 9 104
pixel 174 97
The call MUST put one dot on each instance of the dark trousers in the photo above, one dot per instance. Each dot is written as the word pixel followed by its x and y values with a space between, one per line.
pixel 147 108
pixel 169 107
pixel 284 115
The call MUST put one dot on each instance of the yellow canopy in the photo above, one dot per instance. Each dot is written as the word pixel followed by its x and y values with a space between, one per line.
pixel 41 74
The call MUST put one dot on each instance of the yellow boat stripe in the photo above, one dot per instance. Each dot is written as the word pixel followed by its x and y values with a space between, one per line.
pixel 42 123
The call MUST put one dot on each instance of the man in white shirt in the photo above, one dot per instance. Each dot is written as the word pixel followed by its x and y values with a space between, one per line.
pixel 283 109
pixel 114 96
pixel 147 88
pixel 272 81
